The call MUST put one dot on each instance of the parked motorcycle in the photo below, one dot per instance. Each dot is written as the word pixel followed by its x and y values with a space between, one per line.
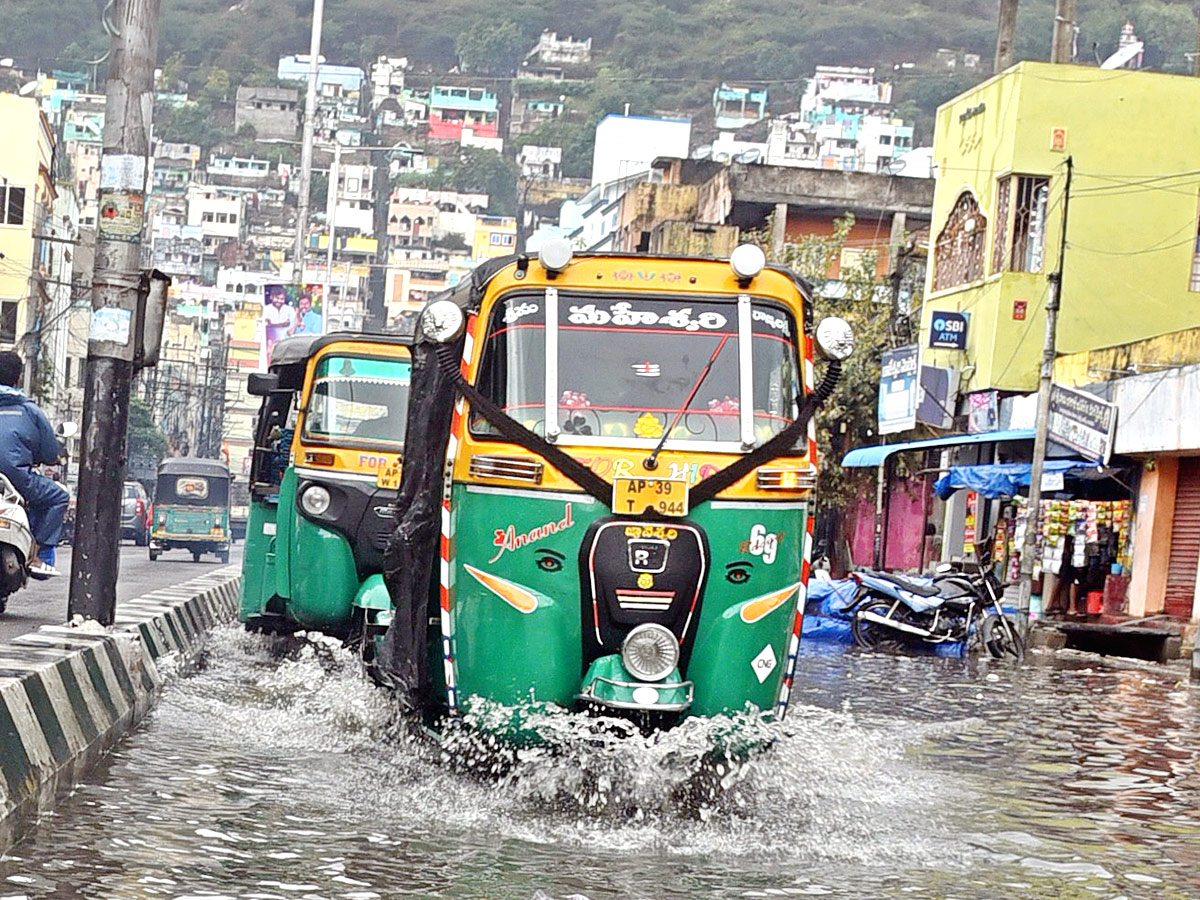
pixel 892 612
pixel 16 542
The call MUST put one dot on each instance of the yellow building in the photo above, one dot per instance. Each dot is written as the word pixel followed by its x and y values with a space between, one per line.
pixel 494 236
pixel 26 198
pixel 1131 269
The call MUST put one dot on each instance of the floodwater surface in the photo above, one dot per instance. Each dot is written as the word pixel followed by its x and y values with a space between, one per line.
pixel 263 775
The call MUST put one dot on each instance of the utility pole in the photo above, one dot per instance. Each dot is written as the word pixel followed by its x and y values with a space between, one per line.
pixel 306 150
pixel 1041 438
pixel 1005 35
pixel 331 199
pixel 1062 48
pixel 114 330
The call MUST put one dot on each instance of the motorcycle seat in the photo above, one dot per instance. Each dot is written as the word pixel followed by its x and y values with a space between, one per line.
pixel 921 590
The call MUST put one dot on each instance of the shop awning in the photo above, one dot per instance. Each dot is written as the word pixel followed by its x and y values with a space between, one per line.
pixel 1003 479
pixel 867 457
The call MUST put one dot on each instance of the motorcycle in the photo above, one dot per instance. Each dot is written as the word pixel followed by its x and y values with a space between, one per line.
pixel 956 606
pixel 16 542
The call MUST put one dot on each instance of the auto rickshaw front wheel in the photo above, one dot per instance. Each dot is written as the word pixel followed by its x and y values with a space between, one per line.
pixel 155 554
pixel 223 556
pixel 196 554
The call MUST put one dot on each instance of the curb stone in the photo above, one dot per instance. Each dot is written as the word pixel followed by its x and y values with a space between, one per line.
pixel 67 694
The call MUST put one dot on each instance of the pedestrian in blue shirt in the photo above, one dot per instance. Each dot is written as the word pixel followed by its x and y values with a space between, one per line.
pixel 27 440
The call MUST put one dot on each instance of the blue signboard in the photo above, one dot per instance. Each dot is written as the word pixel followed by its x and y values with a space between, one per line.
pixel 898 389
pixel 948 331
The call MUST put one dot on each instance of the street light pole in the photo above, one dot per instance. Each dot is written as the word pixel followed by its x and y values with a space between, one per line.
pixel 306 150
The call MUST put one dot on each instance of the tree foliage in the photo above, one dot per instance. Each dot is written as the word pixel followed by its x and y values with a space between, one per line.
pixel 489 47
pixel 848 418
pixel 475 169
pixel 145 439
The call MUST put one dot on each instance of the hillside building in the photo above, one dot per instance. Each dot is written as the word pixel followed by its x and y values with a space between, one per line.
pixel 273 112
pixel 455 108
pixel 627 145
pixel 736 106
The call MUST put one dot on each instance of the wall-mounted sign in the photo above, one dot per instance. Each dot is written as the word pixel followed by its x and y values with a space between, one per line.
pixel 948 331
pixel 898 390
pixel 1020 308
pixel 1082 422
pixel 1058 139
pixel 983 411
pixel 971 112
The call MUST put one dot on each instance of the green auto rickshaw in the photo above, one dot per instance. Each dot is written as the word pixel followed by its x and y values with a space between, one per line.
pixel 191 508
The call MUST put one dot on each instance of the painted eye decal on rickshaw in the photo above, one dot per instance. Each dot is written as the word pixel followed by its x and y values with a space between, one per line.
pixel 549 560
pixel 738 572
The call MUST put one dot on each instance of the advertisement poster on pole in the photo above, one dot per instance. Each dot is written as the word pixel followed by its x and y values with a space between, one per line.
pixel 898 389
pixel 290 309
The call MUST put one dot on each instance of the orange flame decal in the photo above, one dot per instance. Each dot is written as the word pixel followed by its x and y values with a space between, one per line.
pixel 519 598
pixel 753 610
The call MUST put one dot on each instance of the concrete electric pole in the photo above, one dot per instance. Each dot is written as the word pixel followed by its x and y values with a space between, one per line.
pixel 1062 50
pixel 1042 435
pixel 115 330
pixel 1005 35
pixel 306 149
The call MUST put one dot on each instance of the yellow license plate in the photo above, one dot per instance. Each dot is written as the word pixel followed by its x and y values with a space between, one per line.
pixel 666 496
pixel 389 477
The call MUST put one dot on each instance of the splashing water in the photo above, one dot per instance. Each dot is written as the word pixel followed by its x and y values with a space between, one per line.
pixel 275 769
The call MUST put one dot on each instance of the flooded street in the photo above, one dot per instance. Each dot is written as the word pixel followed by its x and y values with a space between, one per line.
pixel 261 777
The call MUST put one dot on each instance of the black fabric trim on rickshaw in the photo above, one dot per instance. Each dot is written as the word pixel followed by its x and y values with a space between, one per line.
pixel 514 431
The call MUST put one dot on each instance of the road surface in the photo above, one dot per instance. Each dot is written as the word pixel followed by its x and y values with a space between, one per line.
pixel 45 602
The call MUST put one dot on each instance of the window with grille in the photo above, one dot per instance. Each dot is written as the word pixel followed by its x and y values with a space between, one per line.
pixel 1000 228
pixel 1029 223
pixel 8 321
pixel 12 205
pixel 958 253
pixel 1194 284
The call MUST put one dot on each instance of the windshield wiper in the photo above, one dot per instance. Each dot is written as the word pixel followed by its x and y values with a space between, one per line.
pixel 651 462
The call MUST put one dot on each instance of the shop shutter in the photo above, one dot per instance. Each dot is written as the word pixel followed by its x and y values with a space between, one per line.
pixel 1185 541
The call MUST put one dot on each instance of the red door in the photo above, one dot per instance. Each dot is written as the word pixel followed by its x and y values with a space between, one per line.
pixel 1185 541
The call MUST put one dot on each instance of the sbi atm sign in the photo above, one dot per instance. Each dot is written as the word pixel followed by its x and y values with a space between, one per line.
pixel 948 331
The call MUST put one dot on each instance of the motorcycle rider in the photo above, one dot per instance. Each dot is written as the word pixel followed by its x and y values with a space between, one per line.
pixel 27 440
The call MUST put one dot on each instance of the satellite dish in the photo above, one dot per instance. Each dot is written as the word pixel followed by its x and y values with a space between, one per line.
pixel 27 88
pixel 1124 55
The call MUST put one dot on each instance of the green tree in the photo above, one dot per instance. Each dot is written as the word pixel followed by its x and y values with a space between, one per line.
pixel 848 418
pixel 216 87
pixel 490 48
pixel 144 438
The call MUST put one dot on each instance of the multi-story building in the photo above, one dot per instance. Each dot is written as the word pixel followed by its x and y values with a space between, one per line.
pixel 27 196
pixel 736 106
pixel 555 51
pixel 220 216
pixel 174 167
pixel 387 79
pixel 273 112
pixel 1130 269
pixel 627 145
pixel 494 236
pixel 455 108
pixel 83 133
pixel 355 209
pixel 540 162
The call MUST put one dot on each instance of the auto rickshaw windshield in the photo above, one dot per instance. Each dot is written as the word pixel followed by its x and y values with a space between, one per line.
pixel 360 399
pixel 626 366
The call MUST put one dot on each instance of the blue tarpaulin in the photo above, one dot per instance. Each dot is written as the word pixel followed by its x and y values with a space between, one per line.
pixel 1003 479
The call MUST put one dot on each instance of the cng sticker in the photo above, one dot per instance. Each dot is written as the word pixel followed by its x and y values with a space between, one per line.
pixel 764 664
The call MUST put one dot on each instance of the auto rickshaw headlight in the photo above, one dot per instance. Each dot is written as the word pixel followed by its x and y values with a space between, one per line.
pixel 442 321
pixel 835 338
pixel 747 260
pixel 650 652
pixel 555 255
pixel 315 500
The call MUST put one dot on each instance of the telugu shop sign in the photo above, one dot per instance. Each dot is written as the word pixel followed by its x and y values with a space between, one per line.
pixel 1082 422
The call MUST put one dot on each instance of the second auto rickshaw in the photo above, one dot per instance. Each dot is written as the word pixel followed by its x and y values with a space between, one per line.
pixel 323 478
